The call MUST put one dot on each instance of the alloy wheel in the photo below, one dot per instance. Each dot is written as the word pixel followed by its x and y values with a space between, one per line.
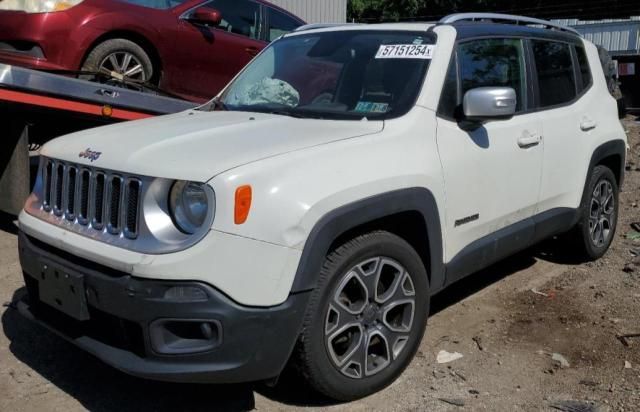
pixel 370 317
pixel 601 215
pixel 125 64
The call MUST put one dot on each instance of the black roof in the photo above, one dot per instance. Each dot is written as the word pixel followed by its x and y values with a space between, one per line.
pixel 468 30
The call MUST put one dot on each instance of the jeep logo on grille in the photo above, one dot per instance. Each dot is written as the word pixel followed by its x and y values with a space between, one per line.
pixel 90 154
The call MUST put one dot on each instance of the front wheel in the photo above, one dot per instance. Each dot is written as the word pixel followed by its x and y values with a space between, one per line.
pixel 123 57
pixel 366 318
pixel 599 214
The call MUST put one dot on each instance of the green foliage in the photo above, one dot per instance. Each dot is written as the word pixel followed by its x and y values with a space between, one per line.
pixel 387 10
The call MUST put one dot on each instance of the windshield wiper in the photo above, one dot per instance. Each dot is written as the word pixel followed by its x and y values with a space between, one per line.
pixel 216 104
pixel 286 113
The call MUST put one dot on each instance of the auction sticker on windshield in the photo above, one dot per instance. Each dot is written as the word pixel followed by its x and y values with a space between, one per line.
pixel 406 51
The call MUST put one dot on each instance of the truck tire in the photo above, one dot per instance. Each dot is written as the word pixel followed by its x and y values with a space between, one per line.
pixel 599 214
pixel 123 57
pixel 366 317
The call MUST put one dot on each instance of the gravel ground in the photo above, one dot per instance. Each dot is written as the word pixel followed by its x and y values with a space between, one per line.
pixel 506 332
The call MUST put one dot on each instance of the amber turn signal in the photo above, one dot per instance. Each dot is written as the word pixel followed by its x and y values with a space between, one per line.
pixel 243 204
pixel 107 111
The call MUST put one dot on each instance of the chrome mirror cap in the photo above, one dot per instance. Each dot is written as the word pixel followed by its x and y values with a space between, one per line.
pixel 489 103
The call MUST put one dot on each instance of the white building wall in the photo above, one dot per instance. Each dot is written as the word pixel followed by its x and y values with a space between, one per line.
pixel 316 11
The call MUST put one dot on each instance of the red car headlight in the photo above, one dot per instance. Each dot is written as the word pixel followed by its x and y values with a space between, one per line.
pixel 38 6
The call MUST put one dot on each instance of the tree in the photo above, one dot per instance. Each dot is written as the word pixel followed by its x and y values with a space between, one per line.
pixel 382 10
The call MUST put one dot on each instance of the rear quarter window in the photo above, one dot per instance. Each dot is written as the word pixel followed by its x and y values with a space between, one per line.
pixel 585 70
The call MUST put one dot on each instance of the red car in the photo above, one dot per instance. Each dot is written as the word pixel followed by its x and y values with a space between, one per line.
pixel 190 48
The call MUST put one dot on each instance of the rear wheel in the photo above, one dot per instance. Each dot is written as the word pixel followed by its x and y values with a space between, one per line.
pixel 366 318
pixel 123 57
pixel 599 214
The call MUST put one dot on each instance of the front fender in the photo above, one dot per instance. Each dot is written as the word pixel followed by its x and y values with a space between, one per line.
pixel 347 217
pixel 100 25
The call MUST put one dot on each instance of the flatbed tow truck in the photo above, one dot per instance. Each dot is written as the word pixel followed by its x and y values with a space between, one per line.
pixel 36 107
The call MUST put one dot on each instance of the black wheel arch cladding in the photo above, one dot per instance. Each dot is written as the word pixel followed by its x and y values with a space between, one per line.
pixel 613 148
pixel 608 150
pixel 353 215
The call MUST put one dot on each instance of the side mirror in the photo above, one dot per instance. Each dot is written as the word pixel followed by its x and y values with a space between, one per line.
pixel 206 15
pixel 489 103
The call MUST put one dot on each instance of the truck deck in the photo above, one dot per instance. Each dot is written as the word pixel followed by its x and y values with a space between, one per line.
pixel 36 107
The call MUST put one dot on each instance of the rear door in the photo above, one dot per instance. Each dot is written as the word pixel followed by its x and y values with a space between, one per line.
pixel 570 116
pixel 207 58
pixel 492 173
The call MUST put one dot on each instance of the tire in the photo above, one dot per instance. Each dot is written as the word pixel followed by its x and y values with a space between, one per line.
pixel 599 214
pixel 101 58
pixel 330 354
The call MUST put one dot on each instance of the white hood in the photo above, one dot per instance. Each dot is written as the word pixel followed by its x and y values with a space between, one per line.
pixel 198 145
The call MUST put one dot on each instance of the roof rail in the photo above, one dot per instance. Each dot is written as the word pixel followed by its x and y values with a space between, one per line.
pixel 506 18
pixel 322 26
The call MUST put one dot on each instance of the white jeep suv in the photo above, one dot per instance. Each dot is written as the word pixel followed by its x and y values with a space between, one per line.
pixel 311 210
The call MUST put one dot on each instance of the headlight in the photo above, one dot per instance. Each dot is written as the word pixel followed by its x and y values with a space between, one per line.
pixel 38 6
pixel 189 206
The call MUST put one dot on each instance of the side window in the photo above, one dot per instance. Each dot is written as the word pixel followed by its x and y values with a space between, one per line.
pixel 556 80
pixel 238 16
pixel 585 70
pixel 493 63
pixel 279 24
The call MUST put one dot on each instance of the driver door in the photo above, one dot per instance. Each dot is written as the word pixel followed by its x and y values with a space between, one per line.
pixel 492 172
pixel 207 58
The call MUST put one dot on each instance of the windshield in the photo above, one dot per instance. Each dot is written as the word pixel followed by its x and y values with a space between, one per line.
pixel 346 75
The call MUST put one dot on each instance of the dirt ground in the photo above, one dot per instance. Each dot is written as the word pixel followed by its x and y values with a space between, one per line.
pixel 506 321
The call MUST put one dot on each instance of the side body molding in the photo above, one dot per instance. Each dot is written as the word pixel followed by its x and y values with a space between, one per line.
pixel 352 215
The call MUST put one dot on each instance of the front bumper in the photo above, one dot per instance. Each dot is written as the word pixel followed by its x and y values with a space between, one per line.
pixel 57 40
pixel 252 344
pixel 28 61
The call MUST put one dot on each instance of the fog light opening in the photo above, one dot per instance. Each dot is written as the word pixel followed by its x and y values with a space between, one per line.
pixel 177 336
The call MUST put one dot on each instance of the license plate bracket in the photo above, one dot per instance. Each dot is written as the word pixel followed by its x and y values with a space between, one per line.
pixel 63 289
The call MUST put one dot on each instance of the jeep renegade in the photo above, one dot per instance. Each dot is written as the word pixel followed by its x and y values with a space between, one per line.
pixel 311 210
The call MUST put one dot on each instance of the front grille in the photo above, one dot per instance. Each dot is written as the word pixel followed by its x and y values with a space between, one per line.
pixel 92 198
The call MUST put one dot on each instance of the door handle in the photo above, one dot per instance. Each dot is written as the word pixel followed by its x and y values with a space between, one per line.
pixel 529 140
pixel 588 124
pixel 252 51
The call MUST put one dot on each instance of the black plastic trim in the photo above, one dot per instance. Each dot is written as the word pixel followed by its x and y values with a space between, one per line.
pixel 350 216
pixel 490 249
pixel 554 222
pixel 255 344
pixel 508 241
pixel 611 148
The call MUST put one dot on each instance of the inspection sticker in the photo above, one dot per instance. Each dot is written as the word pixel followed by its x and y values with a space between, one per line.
pixel 406 51
pixel 370 107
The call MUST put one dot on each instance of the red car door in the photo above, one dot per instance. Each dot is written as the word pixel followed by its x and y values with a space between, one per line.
pixel 206 57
